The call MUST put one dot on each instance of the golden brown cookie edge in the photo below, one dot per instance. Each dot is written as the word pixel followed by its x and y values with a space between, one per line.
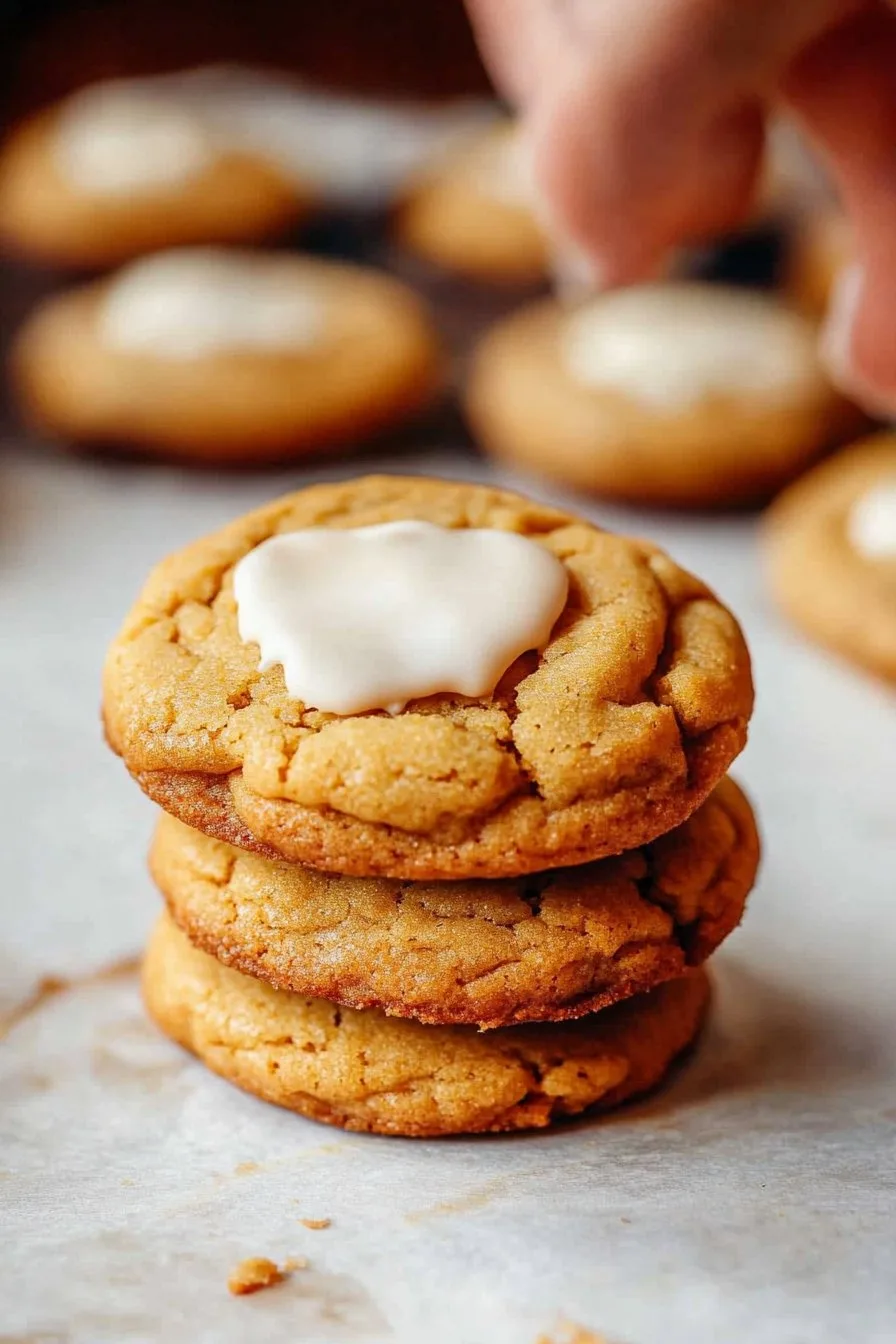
pixel 638 965
pixel 649 1034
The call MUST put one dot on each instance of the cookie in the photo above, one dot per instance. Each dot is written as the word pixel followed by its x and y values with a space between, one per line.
pixel 365 1071
pixel 554 946
pixel 227 356
pixel 610 736
pixel 672 394
pixel 473 214
pixel 213 154
pixel 121 169
pixel 822 246
pixel 830 552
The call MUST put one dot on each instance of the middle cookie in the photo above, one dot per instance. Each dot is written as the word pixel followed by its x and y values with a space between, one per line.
pixel 551 946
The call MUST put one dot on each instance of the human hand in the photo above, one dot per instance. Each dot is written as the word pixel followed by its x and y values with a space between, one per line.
pixel 646 121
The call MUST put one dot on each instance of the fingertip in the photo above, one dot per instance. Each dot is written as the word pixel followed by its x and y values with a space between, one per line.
pixel 577 270
pixel 856 361
pixel 836 340
pixel 591 247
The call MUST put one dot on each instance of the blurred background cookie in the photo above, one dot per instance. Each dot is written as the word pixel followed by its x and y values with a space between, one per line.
pixel 830 543
pixel 820 248
pixel 227 356
pixel 679 394
pixel 127 167
pixel 473 213
pixel 211 154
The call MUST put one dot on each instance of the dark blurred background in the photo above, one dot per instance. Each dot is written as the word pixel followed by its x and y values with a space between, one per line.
pixel 395 47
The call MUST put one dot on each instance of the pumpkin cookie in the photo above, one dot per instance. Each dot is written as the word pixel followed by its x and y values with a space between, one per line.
pixel 227 356
pixel 554 946
pixel 675 394
pixel 830 543
pixel 126 167
pixel 473 214
pixel 365 1071
pixel 208 155
pixel 610 736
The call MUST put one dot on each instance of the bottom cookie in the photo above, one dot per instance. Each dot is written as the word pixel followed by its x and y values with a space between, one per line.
pixel 367 1072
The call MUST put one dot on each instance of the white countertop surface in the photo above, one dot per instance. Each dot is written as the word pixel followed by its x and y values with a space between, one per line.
pixel 754 1201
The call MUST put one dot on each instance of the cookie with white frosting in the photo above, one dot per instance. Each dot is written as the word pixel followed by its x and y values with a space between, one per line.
pixel 680 394
pixel 213 154
pixel 473 213
pixel 518 690
pixel 221 355
pixel 125 167
pixel 368 1072
pixel 830 549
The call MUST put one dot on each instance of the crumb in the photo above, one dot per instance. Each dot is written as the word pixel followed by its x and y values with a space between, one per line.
pixel 245 1168
pixel 316 1224
pixel 570 1333
pixel 625 1220
pixel 295 1262
pixel 251 1275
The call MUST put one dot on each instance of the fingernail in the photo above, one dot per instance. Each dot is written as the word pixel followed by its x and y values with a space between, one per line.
pixel 835 345
pixel 575 272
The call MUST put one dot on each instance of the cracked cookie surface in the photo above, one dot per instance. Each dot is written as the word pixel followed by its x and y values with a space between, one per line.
pixel 368 1072
pixel 553 946
pixel 612 736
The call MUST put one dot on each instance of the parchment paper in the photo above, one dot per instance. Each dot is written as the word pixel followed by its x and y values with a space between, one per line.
pixel 752 1201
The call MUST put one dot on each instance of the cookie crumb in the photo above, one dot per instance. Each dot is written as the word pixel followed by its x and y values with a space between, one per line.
pixel 295 1262
pixel 315 1224
pixel 570 1333
pixel 251 1275
pixel 245 1168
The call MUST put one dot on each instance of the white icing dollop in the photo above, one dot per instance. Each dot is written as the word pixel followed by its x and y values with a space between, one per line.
pixel 871 522
pixel 372 617
pixel 127 136
pixel 191 302
pixel 352 148
pixel 670 346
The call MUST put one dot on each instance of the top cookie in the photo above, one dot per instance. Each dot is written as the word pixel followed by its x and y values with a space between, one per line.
pixel 609 737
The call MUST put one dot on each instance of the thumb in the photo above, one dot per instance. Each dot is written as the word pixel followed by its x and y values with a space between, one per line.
pixel 647 126
pixel 844 90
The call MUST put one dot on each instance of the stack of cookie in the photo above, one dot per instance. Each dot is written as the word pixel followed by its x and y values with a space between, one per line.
pixel 447 836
